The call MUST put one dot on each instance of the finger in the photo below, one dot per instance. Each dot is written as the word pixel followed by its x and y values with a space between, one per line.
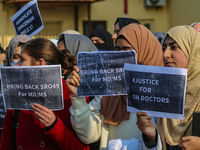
pixel 143 119
pixel 149 118
pixel 76 68
pixel 41 108
pixel 42 121
pixel 139 114
pixel 184 145
pixel 40 111
pixel 76 81
pixel 40 116
pixel 74 73
pixel 143 126
pixel 73 81
pixel 185 139
pixel 141 122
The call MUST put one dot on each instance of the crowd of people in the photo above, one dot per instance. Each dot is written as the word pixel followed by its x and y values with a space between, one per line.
pixel 103 122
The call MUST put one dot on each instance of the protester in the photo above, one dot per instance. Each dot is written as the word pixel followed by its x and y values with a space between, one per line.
pixel 74 43
pixel 14 49
pixel 120 23
pixel 2 56
pixel 102 39
pixel 106 117
pixel 181 49
pixel 68 32
pixel 41 128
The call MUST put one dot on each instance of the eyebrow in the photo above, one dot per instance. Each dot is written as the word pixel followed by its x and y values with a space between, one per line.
pixel 171 43
pixel 123 47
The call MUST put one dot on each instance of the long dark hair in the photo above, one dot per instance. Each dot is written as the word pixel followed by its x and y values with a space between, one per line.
pixel 44 48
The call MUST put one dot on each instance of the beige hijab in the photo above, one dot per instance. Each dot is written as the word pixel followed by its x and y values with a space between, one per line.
pixel 172 130
pixel 149 52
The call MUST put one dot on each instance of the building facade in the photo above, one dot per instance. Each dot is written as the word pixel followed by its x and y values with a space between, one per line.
pixel 85 15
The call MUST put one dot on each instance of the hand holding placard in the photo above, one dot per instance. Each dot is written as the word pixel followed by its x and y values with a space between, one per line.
pixel 45 115
pixel 73 81
pixel 146 126
pixel 102 73
pixel 160 91
pixel 36 84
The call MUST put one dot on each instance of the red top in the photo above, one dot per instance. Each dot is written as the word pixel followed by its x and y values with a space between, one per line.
pixel 30 134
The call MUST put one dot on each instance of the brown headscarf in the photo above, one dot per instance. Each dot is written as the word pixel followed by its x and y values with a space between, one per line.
pixel 172 130
pixel 149 52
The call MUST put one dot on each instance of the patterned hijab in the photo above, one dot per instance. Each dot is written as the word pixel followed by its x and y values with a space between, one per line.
pixel 149 52
pixel 14 42
pixel 172 130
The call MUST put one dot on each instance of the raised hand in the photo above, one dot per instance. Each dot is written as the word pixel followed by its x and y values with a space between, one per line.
pixel 73 81
pixel 44 115
pixel 190 143
pixel 146 125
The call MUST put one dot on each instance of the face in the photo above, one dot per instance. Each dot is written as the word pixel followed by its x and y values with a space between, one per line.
pixel 26 60
pixel 61 45
pixel 173 55
pixel 116 32
pixel 123 44
pixel 2 57
pixel 96 39
pixel 16 55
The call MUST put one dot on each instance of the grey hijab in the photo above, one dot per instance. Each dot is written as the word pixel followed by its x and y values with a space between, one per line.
pixel 14 42
pixel 78 43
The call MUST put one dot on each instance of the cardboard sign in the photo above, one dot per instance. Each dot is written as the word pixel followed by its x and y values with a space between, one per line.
pixel 23 86
pixel 2 111
pixel 160 91
pixel 102 73
pixel 28 20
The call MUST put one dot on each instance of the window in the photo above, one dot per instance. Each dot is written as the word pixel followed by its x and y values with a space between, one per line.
pixel 148 23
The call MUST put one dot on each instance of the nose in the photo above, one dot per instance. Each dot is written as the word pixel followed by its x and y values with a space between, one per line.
pixel 94 41
pixel 167 52
pixel 114 37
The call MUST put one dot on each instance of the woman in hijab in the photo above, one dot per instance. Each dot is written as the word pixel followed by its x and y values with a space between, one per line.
pixel 181 49
pixel 74 43
pixel 14 49
pixel 120 23
pixel 106 118
pixel 102 39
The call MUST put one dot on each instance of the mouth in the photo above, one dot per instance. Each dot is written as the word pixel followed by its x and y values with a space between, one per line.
pixel 169 64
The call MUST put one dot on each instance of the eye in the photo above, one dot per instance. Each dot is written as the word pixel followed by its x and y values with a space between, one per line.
pixel 125 48
pixel 16 56
pixel 117 48
pixel 173 47
pixel 163 48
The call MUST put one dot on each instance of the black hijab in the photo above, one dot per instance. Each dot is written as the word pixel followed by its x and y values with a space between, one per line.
pixel 105 36
pixel 125 21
